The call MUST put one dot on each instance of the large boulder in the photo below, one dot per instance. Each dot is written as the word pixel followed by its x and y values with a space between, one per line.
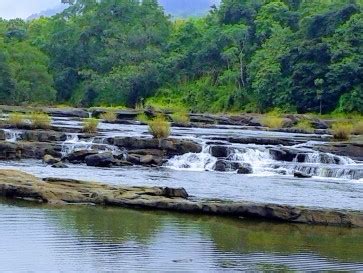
pixel 219 151
pixel 9 151
pixel 175 193
pixel 302 175
pixel 43 136
pixel 151 160
pixel 226 166
pixel 100 160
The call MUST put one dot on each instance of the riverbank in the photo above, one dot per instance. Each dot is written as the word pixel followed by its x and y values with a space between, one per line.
pixel 19 185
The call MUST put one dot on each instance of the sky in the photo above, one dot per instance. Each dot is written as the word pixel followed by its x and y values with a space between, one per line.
pixel 10 9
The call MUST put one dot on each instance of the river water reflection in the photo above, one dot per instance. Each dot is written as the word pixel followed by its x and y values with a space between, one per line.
pixel 89 239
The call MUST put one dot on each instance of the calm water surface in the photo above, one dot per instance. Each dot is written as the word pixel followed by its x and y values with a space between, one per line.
pixel 89 239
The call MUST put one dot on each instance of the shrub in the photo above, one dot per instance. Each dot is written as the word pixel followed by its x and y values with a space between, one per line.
pixel 342 130
pixel 305 125
pixel 159 127
pixel 109 116
pixel 90 125
pixel 272 120
pixel 143 118
pixel 358 128
pixel 16 119
pixel 40 120
pixel 181 118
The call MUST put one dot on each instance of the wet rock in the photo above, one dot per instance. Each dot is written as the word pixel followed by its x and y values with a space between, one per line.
pixel 43 136
pixel 226 166
pixel 100 160
pixel 170 146
pixel 284 154
pixel 245 168
pixel 150 160
pixel 59 165
pixel 172 192
pixel 154 152
pixel 219 151
pixel 2 135
pixel 79 156
pixel 19 185
pixel 301 175
pixel 50 160
pixel 353 150
pixel 10 151
pixel 37 150
pixel 134 159
pixel 67 112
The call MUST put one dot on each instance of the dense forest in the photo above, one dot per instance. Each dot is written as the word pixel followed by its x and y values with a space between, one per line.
pixel 245 55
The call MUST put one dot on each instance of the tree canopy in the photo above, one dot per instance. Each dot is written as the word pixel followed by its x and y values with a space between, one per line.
pixel 245 55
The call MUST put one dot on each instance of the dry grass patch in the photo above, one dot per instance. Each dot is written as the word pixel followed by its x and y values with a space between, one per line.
pixel 272 121
pixel 305 125
pixel 342 130
pixel 90 125
pixel 159 127
pixel 181 118
pixel 358 128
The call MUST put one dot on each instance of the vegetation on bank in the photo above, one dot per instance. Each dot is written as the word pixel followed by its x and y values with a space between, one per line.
pixel 252 55
pixel 159 127
pixel 90 125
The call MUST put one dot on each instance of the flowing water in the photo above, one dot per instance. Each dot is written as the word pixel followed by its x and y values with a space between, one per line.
pixel 89 239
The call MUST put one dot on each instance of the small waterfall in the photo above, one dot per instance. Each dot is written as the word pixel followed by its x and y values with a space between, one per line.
pixel 73 143
pixel 323 158
pixel 193 161
pixel 12 135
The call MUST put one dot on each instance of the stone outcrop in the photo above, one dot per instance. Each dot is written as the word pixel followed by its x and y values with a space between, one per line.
pixel 27 150
pixel 14 184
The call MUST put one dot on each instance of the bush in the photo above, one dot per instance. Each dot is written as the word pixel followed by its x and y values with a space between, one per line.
pixel 90 125
pixel 159 127
pixel 305 125
pixel 272 120
pixel 109 116
pixel 40 120
pixel 181 118
pixel 342 130
pixel 358 128
pixel 16 119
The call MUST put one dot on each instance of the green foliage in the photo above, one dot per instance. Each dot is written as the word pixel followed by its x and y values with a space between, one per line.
pixel 250 55
pixel 143 118
pixel 16 119
pixel 40 120
pixel 159 127
pixel 90 125
pixel 342 130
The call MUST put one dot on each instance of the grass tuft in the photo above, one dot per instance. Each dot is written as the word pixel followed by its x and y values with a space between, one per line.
pixel 143 118
pixel 16 119
pixel 159 127
pixel 358 128
pixel 181 118
pixel 305 125
pixel 109 116
pixel 90 125
pixel 40 120
pixel 272 120
pixel 342 130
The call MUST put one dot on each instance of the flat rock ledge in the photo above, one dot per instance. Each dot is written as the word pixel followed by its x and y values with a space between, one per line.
pixel 19 185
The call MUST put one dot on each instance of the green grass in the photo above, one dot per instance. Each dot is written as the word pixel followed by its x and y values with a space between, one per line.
pixel 90 125
pixel 272 120
pixel 159 127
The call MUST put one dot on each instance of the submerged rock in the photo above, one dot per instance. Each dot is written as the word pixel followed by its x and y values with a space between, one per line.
pixel 50 160
pixel 59 165
pixel 245 168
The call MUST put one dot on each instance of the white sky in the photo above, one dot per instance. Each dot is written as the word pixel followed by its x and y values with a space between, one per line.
pixel 10 9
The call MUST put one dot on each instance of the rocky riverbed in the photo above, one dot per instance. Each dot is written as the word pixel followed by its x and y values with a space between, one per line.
pixel 229 158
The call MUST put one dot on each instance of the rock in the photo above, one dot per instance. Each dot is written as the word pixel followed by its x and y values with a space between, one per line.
pixel 301 175
pixel 245 168
pixel 59 165
pixel 179 192
pixel 219 151
pixel 2 135
pixel 150 160
pixel 10 151
pixel 19 185
pixel 154 152
pixel 351 149
pixel 100 160
pixel 67 112
pixel 284 154
pixel 50 160
pixel 134 159
pixel 226 166
pixel 79 156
